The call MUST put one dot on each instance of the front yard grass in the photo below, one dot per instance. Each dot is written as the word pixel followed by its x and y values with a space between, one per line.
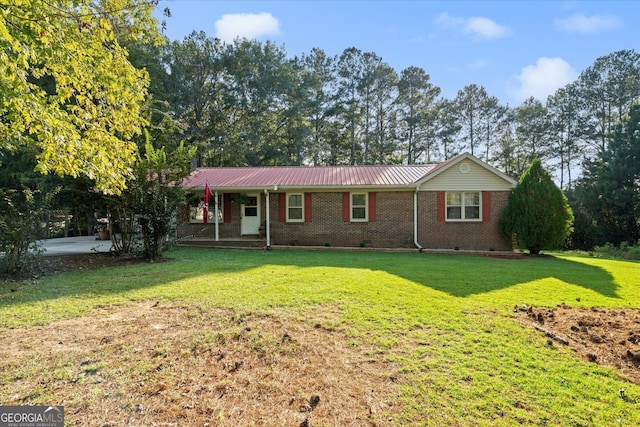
pixel 446 322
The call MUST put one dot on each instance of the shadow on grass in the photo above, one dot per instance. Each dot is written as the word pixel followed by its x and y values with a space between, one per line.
pixel 474 275
pixel 466 275
pixel 456 275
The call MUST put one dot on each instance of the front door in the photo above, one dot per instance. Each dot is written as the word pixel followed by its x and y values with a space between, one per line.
pixel 250 212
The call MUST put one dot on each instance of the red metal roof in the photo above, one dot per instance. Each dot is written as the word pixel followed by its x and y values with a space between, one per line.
pixel 307 176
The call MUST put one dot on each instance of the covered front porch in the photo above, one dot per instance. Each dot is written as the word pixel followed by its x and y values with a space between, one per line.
pixel 233 219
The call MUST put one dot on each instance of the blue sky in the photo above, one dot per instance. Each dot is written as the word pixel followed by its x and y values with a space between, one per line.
pixel 514 49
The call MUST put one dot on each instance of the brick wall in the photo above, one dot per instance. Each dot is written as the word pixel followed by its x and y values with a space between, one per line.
pixel 434 234
pixel 389 229
pixel 393 227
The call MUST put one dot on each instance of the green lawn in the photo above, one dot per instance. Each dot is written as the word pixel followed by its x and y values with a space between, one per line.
pixel 446 319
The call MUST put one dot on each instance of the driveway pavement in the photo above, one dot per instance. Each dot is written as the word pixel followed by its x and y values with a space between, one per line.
pixel 75 245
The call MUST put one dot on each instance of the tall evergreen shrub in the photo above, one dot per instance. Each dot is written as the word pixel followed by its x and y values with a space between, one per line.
pixel 538 215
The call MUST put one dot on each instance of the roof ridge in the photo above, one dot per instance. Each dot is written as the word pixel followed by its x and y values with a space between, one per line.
pixel 317 166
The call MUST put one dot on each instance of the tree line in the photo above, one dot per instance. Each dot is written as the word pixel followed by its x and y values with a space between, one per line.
pixel 249 103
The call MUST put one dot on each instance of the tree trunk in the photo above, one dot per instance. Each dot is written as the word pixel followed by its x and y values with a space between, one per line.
pixel 158 249
pixel 534 250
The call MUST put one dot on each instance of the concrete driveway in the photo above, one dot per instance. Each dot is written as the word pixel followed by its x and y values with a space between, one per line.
pixel 75 245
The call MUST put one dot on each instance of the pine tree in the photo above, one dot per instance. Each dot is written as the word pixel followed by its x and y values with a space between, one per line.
pixel 538 215
pixel 607 197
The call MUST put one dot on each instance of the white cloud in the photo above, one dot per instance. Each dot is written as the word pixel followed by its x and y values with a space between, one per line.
pixel 483 28
pixel 579 23
pixel 448 21
pixel 570 4
pixel 246 25
pixel 469 66
pixel 543 79
pixel 423 38
pixel 477 64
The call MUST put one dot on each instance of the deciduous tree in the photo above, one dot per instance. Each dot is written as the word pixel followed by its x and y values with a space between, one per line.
pixel 67 87
pixel 153 197
pixel 24 198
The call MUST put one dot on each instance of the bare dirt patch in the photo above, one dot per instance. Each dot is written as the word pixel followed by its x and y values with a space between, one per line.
pixel 604 336
pixel 158 364
pixel 58 263
pixel 52 264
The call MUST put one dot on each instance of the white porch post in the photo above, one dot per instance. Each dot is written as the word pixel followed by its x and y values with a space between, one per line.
pixel 215 203
pixel 268 218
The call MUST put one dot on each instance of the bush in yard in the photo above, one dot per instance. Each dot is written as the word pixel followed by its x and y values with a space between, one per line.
pixel 624 251
pixel 152 199
pixel 20 229
pixel 538 215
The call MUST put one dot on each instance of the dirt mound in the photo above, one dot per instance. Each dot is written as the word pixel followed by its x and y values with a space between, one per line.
pixel 604 336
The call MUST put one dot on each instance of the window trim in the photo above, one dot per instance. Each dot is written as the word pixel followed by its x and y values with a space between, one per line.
pixel 463 206
pixel 366 206
pixel 301 207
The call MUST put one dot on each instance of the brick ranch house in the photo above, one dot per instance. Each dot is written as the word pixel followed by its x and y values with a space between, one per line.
pixel 455 204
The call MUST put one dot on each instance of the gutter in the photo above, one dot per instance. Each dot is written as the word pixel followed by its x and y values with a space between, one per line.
pixel 415 220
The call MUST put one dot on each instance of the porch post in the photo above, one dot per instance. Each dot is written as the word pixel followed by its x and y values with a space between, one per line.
pixel 215 203
pixel 267 220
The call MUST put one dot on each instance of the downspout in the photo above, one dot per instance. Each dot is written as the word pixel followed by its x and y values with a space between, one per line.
pixel 268 219
pixel 215 203
pixel 415 220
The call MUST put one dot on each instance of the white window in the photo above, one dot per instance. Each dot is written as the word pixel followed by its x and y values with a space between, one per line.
pixel 196 214
pixel 463 206
pixel 295 207
pixel 359 207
